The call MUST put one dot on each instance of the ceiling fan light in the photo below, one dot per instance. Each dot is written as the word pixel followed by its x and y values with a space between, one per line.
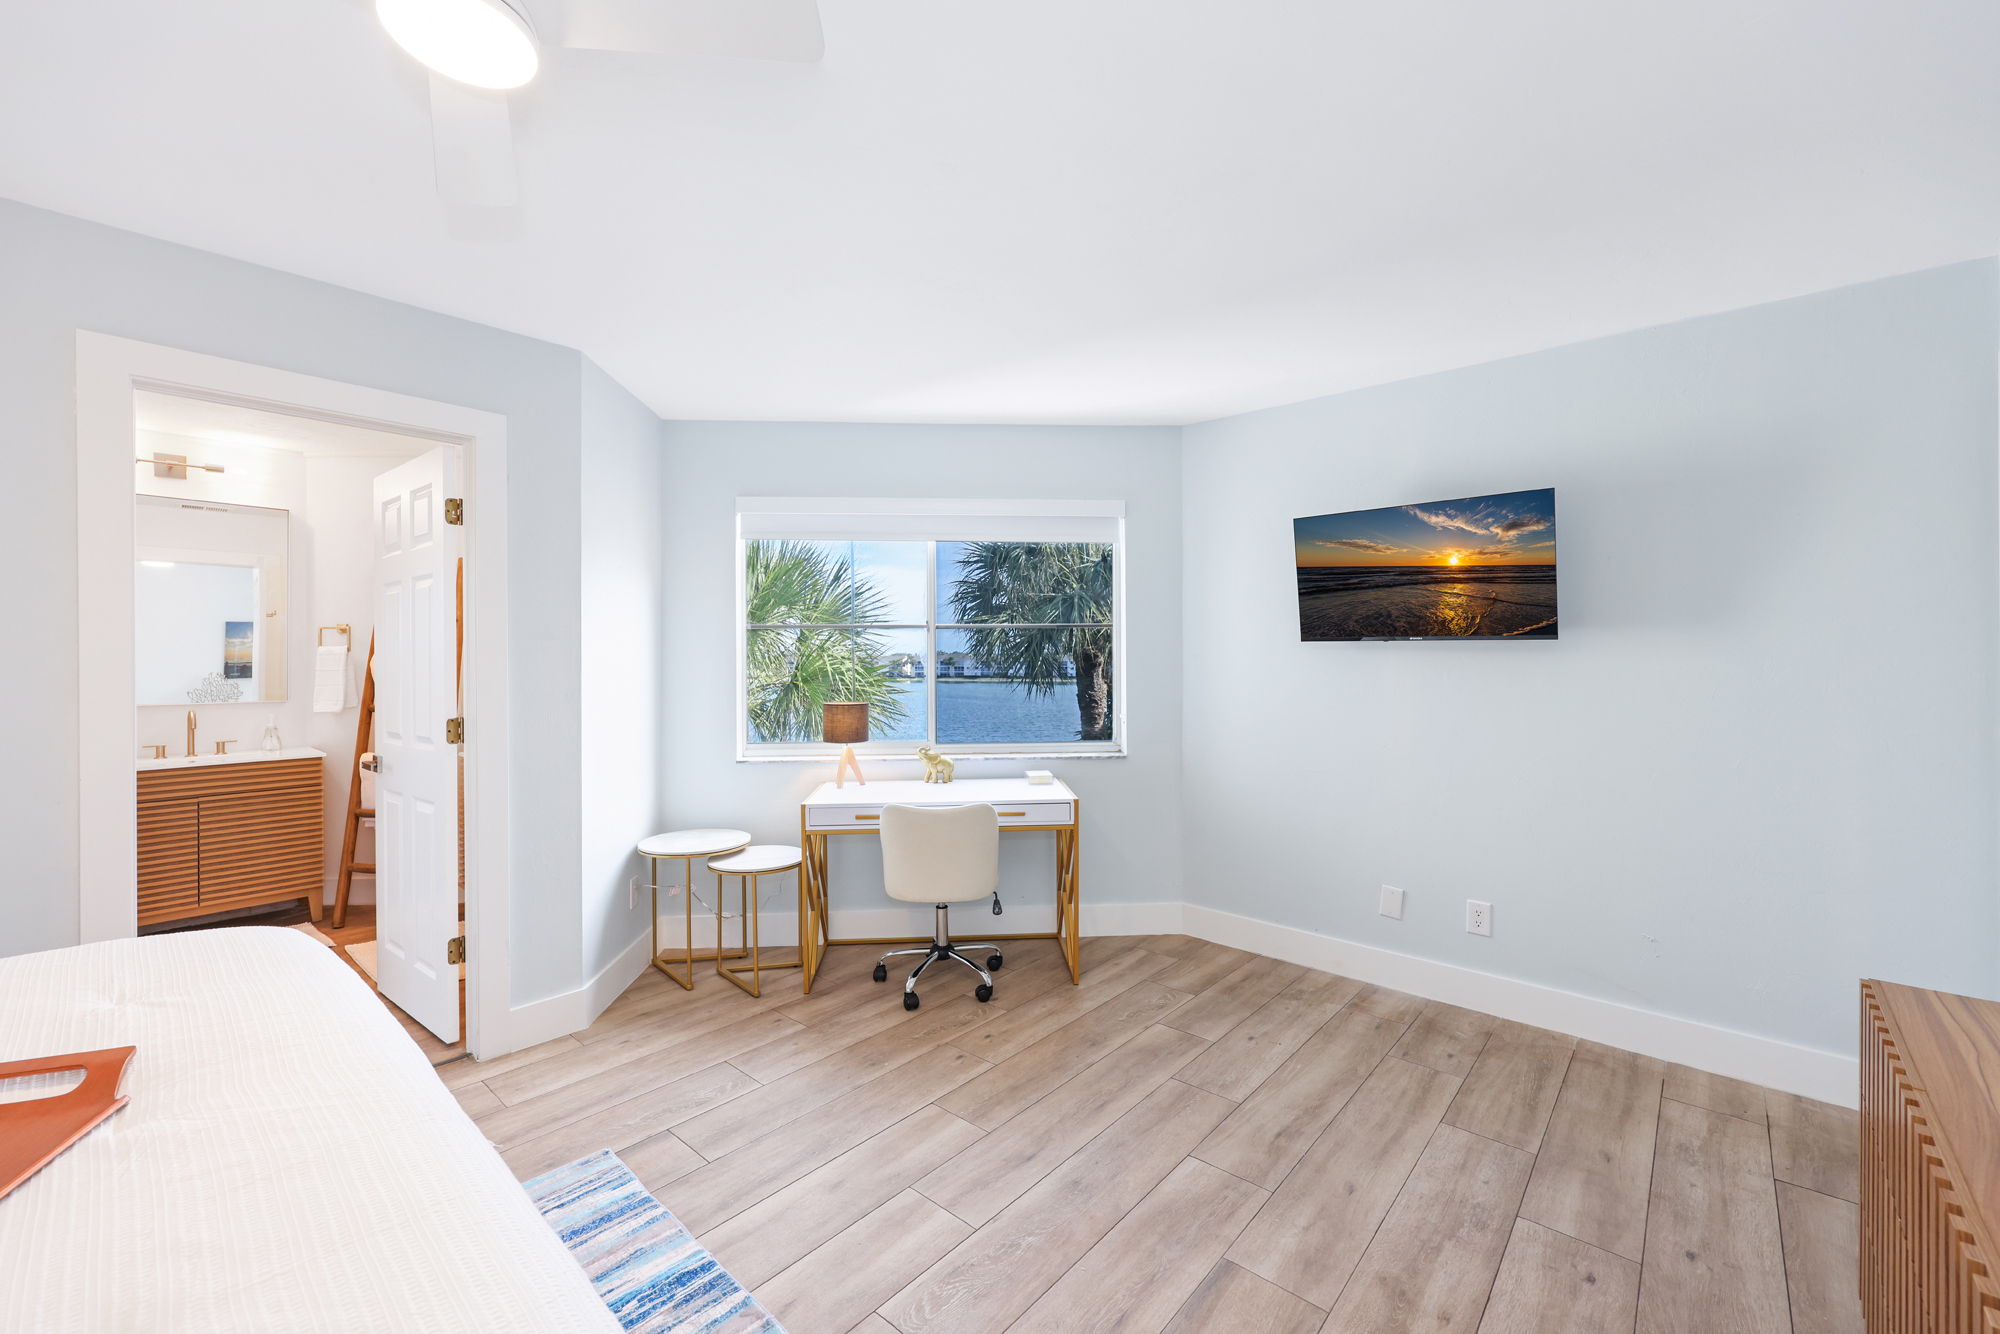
pixel 483 43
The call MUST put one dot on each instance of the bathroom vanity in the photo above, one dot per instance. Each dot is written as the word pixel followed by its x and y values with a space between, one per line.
pixel 218 832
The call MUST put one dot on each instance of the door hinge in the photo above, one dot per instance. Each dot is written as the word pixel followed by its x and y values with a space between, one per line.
pixel 454 731
pixel 454 950
pixel 454 510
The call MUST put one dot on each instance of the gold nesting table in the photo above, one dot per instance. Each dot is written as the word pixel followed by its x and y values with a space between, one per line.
pixel 748 867
pixel 686 846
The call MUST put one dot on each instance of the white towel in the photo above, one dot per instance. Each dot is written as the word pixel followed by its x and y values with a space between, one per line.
pixel 331 687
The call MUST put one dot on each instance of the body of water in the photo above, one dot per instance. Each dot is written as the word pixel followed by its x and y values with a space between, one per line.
pixel 985 712
pixel 1407 601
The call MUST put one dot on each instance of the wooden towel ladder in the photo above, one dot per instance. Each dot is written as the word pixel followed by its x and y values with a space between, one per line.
pixel 356 812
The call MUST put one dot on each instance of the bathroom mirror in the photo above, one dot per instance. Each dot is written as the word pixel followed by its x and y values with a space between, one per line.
pixel 209 618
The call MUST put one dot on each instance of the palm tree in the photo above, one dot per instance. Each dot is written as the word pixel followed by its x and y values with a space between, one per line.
pixel 1036 610
pixel 805 606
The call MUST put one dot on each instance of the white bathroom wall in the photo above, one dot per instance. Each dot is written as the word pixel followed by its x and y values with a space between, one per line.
pixel 328 497
pixel 253 473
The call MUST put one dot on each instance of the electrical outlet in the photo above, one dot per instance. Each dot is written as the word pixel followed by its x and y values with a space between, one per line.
pixel 632 888
pixel 1478 917
pixel 1392 902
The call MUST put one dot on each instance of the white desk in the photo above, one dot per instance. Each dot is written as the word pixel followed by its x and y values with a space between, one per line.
pixel 857 809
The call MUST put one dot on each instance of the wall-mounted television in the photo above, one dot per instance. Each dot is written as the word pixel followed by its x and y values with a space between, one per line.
pixel 1483 567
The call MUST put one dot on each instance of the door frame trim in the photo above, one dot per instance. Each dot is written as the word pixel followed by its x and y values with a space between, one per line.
pixel 108 370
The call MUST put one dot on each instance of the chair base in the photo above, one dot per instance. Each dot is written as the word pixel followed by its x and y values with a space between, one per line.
pixel 942 947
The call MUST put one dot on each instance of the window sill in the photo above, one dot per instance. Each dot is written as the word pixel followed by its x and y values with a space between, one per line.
pixel 833 757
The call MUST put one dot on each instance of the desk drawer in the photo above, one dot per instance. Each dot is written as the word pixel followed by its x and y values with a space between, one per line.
pixel 1035 812
pixel 870 817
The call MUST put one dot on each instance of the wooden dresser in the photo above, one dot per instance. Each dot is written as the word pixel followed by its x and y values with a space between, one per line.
pixel 216 836
pixel 1930 1161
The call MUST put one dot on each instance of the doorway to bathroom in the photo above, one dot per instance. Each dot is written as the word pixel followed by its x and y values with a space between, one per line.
pixel 307 589
pixel 261 667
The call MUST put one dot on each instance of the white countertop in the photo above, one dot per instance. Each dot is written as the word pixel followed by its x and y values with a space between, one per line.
pixel 233 757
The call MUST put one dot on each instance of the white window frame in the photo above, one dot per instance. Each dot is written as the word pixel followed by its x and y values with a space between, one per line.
pixel 823 519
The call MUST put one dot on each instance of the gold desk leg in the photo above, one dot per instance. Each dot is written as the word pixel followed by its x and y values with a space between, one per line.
pixel 1069 907
pixel 822 915
pixel 812 904
pixel 808 876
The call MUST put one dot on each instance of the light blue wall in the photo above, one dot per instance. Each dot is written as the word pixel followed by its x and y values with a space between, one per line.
pixel 1758 765
pixel 58 275
pixel 1131 852
pixel 619 653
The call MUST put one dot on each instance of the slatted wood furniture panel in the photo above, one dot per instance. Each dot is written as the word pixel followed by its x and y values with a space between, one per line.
pixel 220 836
pixel 1930 1161
pixel 169 859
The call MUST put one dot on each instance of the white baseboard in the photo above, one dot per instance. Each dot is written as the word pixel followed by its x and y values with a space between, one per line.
pixel 612 979
pixel 1828 1076
pixel 555 1016
pixel 970 921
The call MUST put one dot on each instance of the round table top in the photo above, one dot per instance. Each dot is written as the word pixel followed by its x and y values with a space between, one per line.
pixel 694 843
pixel 756 859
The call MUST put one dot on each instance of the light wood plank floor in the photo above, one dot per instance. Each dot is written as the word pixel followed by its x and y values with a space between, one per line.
pixel 1194 1140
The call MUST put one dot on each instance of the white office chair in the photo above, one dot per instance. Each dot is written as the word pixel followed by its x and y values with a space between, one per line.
pixel 941 855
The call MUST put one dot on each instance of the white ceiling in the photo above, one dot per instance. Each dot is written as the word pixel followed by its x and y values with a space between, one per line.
pixel 1056 210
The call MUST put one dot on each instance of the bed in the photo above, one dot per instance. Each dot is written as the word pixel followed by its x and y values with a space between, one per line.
pixel 288 1161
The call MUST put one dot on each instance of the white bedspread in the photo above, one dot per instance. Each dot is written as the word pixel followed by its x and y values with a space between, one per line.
pixel 288 1161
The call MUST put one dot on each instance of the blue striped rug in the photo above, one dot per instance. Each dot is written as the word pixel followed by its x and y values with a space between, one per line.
pixel 647 1267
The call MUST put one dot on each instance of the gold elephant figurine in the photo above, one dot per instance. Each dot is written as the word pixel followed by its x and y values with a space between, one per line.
pixel 937 769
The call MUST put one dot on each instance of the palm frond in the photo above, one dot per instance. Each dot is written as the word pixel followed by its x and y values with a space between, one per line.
pixel 818 655
pixel 1004 593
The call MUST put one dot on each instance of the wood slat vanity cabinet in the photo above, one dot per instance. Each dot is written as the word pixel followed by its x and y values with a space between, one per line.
pixel 1930 1161
pixel 213 837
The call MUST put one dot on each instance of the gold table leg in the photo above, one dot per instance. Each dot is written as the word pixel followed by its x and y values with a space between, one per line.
pixel 687 906
pixel 748 914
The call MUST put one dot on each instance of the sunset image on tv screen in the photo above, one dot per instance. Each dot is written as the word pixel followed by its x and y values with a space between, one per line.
pixel 1479 568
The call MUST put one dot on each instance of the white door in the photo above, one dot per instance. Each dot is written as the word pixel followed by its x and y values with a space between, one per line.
pixel 416 785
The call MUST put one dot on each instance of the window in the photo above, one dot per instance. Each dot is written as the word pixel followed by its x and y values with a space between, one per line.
pixel 976 634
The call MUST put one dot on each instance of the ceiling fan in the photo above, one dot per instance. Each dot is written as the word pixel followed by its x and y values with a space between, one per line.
pixel 479 50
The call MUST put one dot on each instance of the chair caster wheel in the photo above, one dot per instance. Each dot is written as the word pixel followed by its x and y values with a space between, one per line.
pixel 983 992
pixel 881 972
pixel 993 962
pixel 910 1000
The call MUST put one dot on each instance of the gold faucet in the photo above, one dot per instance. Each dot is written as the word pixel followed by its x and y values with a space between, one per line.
pixel 190 753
